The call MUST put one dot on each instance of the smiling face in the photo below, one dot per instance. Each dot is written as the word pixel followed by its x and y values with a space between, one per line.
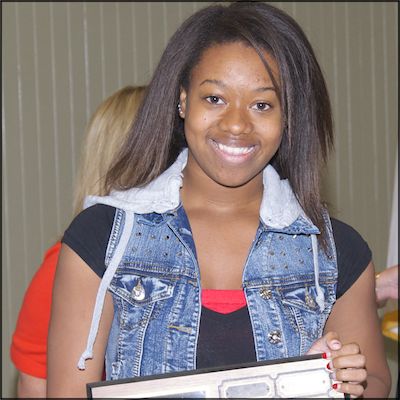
pixel 232 115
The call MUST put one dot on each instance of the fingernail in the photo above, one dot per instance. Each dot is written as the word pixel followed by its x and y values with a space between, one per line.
pixel 335 344
pixel 335 386
pixel 328 366
pixel 326 355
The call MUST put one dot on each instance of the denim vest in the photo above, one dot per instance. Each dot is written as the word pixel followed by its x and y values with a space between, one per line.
pixel 153 275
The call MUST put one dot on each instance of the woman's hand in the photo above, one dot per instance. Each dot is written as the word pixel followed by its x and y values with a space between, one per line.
pixel 387 285
pixel 345 361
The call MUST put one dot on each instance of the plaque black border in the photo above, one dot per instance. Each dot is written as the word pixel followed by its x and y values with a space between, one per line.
pixel 167 375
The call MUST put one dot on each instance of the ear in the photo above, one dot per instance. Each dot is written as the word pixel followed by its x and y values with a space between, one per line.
pixel 182 102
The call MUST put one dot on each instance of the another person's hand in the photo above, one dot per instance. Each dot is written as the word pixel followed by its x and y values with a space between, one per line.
pixel 387 285
pixel 345 361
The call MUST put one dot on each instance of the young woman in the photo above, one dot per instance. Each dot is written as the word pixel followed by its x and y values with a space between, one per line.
pixel 104 137
pixel 214 199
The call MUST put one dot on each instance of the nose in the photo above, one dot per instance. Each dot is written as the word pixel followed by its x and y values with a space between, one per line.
pixel 236 121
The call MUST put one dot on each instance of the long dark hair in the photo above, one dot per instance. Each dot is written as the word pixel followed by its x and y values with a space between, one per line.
pixel 157 135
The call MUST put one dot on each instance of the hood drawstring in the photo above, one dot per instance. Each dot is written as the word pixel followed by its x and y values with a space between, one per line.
pixel 320 295
pixel 105 282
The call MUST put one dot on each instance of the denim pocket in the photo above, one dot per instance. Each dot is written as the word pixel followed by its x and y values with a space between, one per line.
pixel 301 309
pixel 139 290
pixel 139 298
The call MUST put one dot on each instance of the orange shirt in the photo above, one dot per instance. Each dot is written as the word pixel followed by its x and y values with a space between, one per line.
pixel 29 341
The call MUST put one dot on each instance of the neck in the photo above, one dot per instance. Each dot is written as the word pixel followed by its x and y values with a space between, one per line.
pixel 199 191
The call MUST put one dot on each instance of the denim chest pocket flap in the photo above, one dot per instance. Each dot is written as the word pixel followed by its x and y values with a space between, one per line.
pixel 139 290
pixel 301 297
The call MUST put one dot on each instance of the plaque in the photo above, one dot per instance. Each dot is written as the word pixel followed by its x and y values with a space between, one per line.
pixel 298 377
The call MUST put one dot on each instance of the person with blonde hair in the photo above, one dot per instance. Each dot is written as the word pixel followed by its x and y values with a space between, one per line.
pixel 105 133
pixel 107 130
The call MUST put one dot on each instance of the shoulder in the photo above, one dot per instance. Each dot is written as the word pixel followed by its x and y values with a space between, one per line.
pixel 96 218
pixel 346 237
pixel 97 212
pixel 340 229
pixel 88 235
pixel 353 254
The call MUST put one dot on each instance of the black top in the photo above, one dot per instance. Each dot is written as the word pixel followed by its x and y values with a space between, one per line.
pixel 88 236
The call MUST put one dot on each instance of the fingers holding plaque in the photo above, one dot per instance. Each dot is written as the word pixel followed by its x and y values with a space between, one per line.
pixel 288 378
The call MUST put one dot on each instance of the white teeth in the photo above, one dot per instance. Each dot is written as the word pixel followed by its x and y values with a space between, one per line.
pixel 234 151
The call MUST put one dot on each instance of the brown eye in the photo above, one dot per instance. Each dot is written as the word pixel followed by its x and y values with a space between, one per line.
pixel 214 100
pixel 261 106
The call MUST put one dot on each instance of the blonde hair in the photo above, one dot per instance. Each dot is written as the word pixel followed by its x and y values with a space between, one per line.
pixel 105 134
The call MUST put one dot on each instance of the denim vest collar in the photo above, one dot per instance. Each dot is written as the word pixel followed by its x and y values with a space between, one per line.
pixel 279 211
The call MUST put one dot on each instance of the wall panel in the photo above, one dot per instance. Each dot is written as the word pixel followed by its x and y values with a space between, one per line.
pixel 61 59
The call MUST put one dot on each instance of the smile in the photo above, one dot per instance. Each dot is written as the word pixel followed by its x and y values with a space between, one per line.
pixel 233 154
pixel 234 151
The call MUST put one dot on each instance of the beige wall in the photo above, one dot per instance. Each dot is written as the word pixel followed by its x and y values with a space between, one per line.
pixel 61 59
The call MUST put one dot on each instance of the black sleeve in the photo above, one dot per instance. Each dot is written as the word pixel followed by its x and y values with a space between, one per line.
pixel 353 255
pixel 88 235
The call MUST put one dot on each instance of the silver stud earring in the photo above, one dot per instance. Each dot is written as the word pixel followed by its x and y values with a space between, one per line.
pixel 180 109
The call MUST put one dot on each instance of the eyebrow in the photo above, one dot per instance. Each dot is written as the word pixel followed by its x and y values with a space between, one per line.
pixel 214 81
pixel 222 84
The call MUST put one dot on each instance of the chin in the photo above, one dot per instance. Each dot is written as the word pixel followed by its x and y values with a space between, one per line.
pixel 233 182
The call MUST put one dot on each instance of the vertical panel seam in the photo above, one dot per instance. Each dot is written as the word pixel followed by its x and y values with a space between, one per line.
pixel 6 226
pixel 150 36
pixel 21 142
pixel 385 102
pixel 134 50
pixel 164 8
pixel 38 126
pixel 118 44
pixel 336 103
pixel 71 92
pixel 55 116
pixel 349 108
pixel 373 95
pixel 102 57
pixel 86 58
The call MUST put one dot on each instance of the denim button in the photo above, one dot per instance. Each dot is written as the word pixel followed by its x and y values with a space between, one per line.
pixel 310 301
pixel 274 337
pixel 265 293
pixel 138 292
